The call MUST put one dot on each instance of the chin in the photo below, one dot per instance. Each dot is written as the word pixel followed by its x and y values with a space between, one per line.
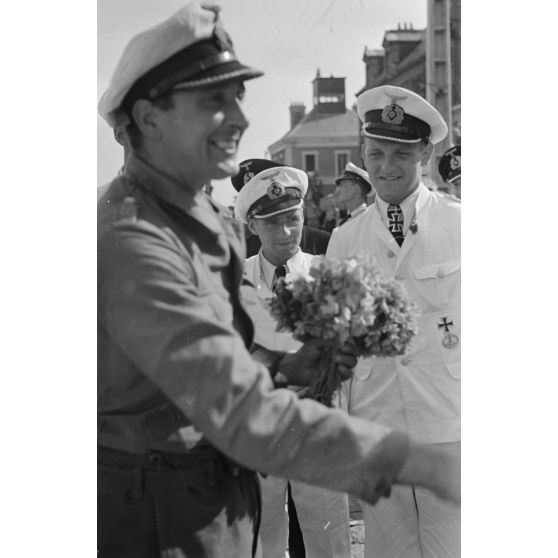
pixel 228 167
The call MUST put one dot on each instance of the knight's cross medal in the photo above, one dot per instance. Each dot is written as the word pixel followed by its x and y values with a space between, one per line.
pixel 450 340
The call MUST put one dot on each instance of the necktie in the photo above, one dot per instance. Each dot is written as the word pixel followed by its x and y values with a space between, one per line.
pixel 280 271
pixel 395 222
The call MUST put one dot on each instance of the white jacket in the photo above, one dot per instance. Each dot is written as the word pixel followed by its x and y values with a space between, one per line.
pixel 419 392
pixel 255 301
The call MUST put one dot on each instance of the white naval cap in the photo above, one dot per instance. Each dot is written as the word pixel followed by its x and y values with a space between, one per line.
pixel 396 114
pixel 190 49
pixel 271 191
pixel 352 172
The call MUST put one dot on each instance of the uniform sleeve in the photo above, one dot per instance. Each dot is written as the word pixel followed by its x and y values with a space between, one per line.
pixel 151 307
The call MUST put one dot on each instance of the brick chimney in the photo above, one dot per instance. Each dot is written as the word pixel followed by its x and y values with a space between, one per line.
pixel 374 65
pixel 298 112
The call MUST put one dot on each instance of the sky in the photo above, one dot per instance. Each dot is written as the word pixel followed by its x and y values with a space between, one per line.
pixel 287 39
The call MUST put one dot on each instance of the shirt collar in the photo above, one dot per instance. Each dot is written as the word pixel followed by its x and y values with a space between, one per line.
pixel 153 180
pixel 268 269
pixel 358 210
pixel 409 206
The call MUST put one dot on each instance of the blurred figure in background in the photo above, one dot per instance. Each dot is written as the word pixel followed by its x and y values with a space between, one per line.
pixel 449 168
pixel 352 192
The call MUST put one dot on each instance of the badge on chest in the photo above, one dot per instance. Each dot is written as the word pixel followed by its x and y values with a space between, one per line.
pixel 449 339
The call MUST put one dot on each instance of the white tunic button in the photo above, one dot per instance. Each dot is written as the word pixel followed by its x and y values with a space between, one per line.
pixel 440 273
pixel 405 361
pixel 390 254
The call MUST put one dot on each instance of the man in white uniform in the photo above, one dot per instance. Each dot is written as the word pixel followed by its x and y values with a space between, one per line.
pixel 415 236
pixel 270 202
pixel 353 188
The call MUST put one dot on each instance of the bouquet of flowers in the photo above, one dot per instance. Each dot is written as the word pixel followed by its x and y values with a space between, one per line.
pixel 344 301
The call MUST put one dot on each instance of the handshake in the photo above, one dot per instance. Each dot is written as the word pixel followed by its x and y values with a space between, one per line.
pixel 435 467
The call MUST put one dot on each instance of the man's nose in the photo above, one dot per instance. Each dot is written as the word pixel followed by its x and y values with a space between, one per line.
pixel 387 163
pixel 285 230
pixel 237 117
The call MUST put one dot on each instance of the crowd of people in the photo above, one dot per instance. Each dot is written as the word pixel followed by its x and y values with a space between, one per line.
pixel 203 427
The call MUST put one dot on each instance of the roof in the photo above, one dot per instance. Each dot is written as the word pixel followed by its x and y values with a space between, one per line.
pixel 315 126
pixel 415 57
pixel 373 51
pixel 407 35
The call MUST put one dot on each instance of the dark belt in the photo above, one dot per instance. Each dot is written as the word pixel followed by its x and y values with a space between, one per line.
pixel 162 468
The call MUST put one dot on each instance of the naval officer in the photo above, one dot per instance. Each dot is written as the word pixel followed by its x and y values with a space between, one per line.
pixel 414 235
pixel 270 202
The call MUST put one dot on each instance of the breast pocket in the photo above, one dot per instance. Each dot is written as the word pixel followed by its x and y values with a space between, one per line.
pixel 439 283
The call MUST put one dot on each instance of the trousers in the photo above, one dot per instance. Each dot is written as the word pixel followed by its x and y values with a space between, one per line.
pixel 323 516
pixel 176 506
pixel 411 523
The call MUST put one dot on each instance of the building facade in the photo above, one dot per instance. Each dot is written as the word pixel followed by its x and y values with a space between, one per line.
pixel 320 142
pixel 428 62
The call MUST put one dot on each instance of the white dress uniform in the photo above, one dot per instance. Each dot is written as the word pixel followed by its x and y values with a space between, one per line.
pixel 323 515
pixel 420 391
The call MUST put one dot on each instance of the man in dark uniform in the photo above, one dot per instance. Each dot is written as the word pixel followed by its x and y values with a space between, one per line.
pixel 185 412
pixel 314 241
pixel 449 168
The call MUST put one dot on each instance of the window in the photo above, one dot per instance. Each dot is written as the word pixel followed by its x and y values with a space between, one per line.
pixel 310 161
pixel 341 160
pixel 331 99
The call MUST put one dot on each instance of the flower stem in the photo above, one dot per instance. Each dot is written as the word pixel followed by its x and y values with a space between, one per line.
pixel 326 380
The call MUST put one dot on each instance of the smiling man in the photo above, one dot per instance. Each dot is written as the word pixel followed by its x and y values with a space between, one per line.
pixel 270 202
pixel 414 235
pixel 185 413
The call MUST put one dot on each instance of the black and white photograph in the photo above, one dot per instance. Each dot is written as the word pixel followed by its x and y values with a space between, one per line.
pixel 255 349
pixel 279 320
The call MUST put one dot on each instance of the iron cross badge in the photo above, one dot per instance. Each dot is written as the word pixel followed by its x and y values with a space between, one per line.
pixel 450 340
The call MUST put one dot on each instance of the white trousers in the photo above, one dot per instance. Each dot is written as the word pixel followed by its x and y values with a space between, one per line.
pixel 323 516
pixel 411 523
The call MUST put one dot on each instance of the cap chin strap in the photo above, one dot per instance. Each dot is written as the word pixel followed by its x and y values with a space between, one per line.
pixel 389 138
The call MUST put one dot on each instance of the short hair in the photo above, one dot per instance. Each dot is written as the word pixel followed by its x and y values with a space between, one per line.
pixel 163 102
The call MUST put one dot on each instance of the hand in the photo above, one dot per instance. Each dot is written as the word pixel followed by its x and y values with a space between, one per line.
pixel 300 367
pixel 436 467
pixel 346 359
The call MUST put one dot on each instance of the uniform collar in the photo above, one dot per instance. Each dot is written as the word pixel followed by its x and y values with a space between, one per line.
pixel 358 210
pixel 410 206
pixel 171 191
pixel 268 269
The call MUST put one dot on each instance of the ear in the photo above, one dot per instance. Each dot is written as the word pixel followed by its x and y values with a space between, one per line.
pixel 120 135
pixel 426 154
pixel 122 138
pixel 145 115
pixel 252 226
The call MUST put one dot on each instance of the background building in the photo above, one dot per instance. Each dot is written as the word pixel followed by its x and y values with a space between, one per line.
pixel 428 62
pixel 320 142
